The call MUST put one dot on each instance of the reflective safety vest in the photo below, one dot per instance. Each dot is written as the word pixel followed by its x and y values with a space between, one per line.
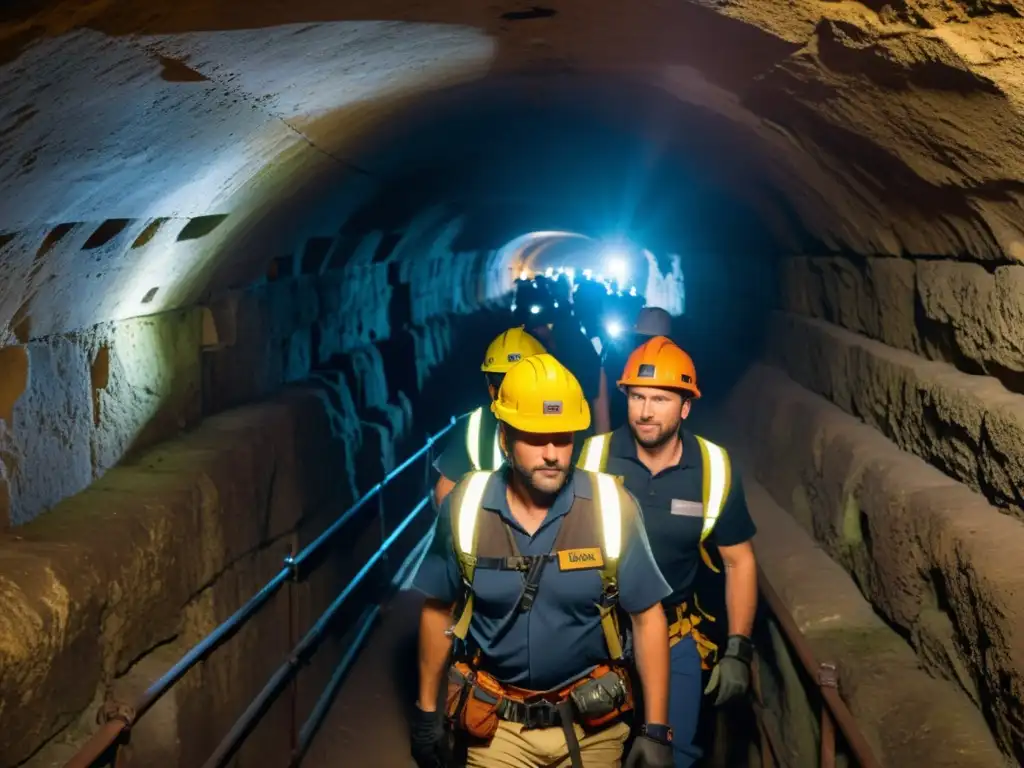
pixel 590 538
pixel 476 451
pixel 715 487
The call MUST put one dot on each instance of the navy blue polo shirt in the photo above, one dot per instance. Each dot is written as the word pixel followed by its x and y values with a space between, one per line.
pixel 672 502
pixel 560 637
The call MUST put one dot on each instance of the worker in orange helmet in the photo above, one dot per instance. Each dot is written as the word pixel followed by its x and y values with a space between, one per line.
pixel 691 495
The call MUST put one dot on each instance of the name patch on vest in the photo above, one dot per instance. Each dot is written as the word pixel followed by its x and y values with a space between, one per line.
pixel 580 559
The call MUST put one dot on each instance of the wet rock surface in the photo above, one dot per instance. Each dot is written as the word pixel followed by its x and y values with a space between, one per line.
pixel 907 717
pixel 931 555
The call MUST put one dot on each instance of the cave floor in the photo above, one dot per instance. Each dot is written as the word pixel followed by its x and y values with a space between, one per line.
pixel 366 726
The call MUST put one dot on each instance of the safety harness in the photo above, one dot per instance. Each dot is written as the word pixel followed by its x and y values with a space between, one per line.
pixel 475 436
pixel 590 537
pixel 608 504
pixel 717 480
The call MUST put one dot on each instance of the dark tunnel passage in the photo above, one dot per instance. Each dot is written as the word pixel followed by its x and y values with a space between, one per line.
pixel 251 256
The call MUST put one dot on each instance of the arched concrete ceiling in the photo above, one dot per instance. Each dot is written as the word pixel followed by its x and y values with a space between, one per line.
pixel 875 129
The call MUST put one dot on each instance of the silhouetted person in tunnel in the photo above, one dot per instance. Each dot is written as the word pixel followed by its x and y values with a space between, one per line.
pixel 474 443
pixel 690 494
pixel 537 557
pixel 560 332
pixel 650 322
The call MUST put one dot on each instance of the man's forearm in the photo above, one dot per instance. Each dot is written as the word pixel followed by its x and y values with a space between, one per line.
pixel 434 647
pixel 741 595
pixel 650 635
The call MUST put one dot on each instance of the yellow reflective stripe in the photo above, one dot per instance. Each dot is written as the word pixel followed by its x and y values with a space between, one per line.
pixel 497 455
pixel 473 437
pixel 469 510
pixel 593 453
pixel 464 533
pixel 716 483
pixel 610 506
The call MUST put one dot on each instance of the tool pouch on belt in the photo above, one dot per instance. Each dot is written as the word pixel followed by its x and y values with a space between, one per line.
pixel 472 701
pixel 602 697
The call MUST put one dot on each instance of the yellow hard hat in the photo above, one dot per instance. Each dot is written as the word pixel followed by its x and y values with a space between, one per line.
pixel 541 396
pixel 508 349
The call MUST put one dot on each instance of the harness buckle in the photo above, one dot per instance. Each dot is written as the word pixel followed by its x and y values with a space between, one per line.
pixel 541 714
pixel 519 562
pixel 610 596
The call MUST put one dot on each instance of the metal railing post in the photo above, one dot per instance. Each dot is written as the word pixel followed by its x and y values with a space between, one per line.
pixel 767 748
pixel 293 620
pixel 828 677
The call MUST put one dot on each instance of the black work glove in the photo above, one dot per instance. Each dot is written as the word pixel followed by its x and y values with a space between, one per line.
pixel 731 675
pixel 648 753
pixel 428 739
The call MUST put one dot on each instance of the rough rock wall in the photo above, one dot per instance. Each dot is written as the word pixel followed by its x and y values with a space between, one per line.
pixel 118 581
pixel 74 402
pixel 919 720
pixel 889 443
pixel 133 564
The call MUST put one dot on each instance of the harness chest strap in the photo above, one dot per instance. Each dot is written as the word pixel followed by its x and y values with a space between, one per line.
pixel 466 511
pixel 474 432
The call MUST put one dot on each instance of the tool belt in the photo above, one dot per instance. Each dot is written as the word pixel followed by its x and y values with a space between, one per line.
pixel 477 701
pixel 683 622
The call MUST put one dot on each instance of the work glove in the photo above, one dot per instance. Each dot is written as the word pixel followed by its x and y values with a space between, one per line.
pixel 731 675
pixel 648 753
pixel 428 739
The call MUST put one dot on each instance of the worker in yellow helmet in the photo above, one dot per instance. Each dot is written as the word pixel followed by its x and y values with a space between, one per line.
pixel 692 497
pixel 531 563
pixel 474 443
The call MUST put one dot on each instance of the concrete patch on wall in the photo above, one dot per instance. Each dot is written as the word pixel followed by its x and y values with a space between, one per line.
pixel 46 446
pixel 146 381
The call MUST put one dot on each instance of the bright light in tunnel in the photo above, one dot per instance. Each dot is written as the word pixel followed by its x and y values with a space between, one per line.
pixel 524 274
pixel 632 290
pixel 616 266
pixel 549 272
pixel 535 309
pixel 614 328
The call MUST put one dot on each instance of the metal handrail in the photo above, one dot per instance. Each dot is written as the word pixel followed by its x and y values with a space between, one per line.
pixel 124 719
pixel 248 720
pixel 834 710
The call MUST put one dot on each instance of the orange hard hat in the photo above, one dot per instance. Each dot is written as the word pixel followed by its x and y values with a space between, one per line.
pixel 659 362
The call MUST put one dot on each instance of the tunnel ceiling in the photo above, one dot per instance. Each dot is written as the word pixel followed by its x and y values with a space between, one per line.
pixel 212 137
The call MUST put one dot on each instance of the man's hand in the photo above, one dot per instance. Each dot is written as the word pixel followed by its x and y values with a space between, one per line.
pixel 428 739
pixel 649 753
pixel 731 676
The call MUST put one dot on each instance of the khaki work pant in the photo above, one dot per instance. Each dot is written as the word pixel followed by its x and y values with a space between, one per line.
pixel 512 747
